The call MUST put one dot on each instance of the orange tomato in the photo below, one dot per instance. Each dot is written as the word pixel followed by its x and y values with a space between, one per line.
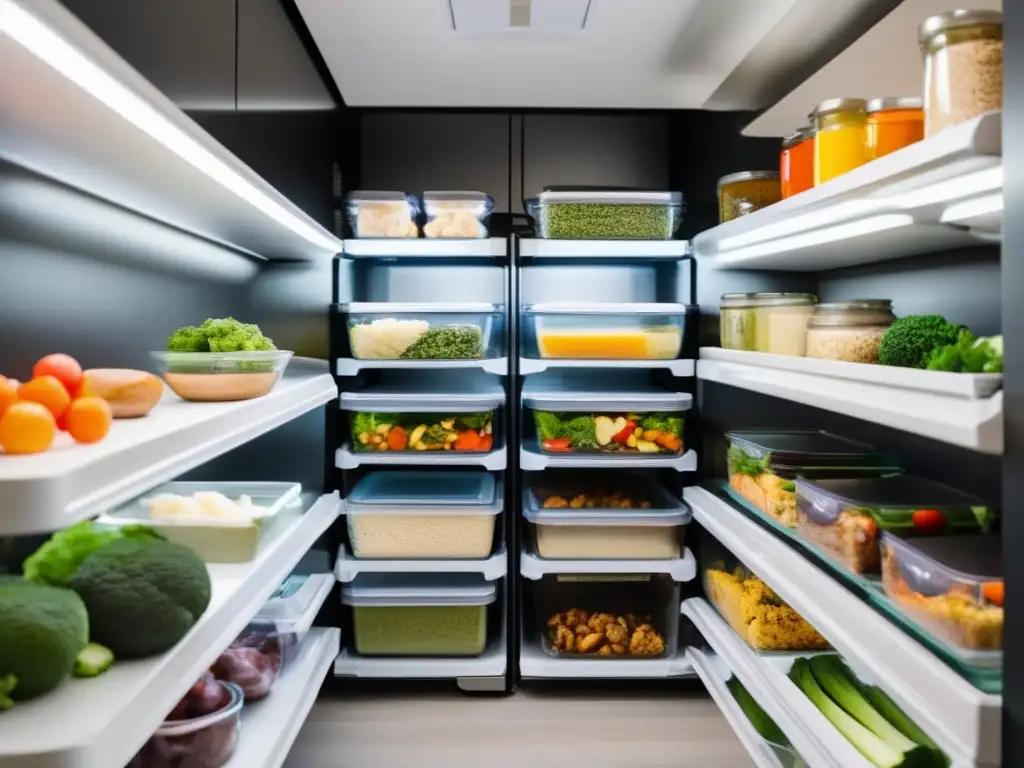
pixel 88 419
pixel 47 391
pixel 27 428
pixel 8 394
pixel 64 368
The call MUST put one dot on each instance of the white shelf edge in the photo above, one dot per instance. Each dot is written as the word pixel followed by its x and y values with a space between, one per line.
pixel 540 248
pixel 270 726
pixel 70 483
pixel 682 569
pixel 105 720
pixel 679 368
pixel 532 460
pixel 325 583
pixel 425 247
pixel 974 424
pixel 965 722
pixel 346 567
pixel 345 458
pixel 348 366
pixel 535 663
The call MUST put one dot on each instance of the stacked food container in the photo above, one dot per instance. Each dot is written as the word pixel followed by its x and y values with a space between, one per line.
pixel 604 402
pixel 421 440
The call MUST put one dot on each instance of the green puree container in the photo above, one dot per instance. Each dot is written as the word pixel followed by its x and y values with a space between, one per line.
pixel 402 614
pixel 579 214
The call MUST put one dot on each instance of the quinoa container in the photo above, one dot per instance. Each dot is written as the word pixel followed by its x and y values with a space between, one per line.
pixel 418 514
pixel 435 614
pixel 596 331
pixel 846 517
pixel 413 331
pixel 952 586
pixel 620 214
pixel 382 214
pixel 222 376
pixel 461 215
pixel 850 331
pixel 763 466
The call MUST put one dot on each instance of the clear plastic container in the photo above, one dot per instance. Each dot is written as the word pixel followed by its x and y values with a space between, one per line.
pixel 737 321
pixel 222 376
pixel 951 585
pixel 845 517
pixel 763 465
pixel 417 514
pixel 432 413
pixel 743 193
pixel 780 322
pixel 850 331
pixel 617 519
pixel 578 214
pixel 382 214
pixel 200 742
pixel 456 214
pixel 394 331
pixel 575 615
pixel 212 536
pixel 592 331
pixel 435 614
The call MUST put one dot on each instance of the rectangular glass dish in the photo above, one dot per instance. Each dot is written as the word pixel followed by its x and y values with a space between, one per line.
pixel 589 331
pixel 411 331
pixel 374 214
pixel 436 614
pixel 420 514
pixel 461 215
pixel 608 214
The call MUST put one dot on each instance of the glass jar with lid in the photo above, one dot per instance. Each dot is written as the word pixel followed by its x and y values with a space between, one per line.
pixel 736 321
pixel 851 331
pixel 796 162
pixel 747 191
pixel 780 322
pixel 894 122
pixel 963 66
pixel 840 142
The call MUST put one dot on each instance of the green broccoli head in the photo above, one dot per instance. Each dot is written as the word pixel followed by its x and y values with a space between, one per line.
pixel 188 339
pixel 229 335
pixel 969 355
pixel 909 342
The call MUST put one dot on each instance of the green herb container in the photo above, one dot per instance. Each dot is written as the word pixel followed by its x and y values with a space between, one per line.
pixel 420 331
pixel 437 614
pixel 609 215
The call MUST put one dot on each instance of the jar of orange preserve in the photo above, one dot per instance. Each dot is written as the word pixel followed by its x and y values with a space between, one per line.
pixel 894 123
pixel 840 141
pixel 796 163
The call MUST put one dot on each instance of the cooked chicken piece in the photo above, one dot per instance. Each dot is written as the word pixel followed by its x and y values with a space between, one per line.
pixel 616 634
pixel 646 642
pixel 618 649
pixel 565 640
pixel 582 630
pixel 590 643
pixel 555 620
pixel 578 502
pixel 555 502
pixel 629 621
pixel 575 616
pixel 606 650
pixel 599 621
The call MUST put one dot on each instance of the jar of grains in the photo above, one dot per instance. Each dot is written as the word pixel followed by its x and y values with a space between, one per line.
pixel 840 142
pixel 894 123
pixel 963 66
pixel 849 330
pixel 780 322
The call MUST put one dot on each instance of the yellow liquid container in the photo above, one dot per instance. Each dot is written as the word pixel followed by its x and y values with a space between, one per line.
pixel 840 145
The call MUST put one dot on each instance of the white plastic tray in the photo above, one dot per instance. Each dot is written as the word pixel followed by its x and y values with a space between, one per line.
pixel 534 567
pixel 532 459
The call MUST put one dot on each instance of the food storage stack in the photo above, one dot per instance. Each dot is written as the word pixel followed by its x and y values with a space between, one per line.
pixel 605 395
pixel 419 334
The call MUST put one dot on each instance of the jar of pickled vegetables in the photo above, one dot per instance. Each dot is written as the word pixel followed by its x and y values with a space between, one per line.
pixel 840 141
pixel 746 192
pixel 736 321
pixel 796 163
pixel 963 66
pixel 894 123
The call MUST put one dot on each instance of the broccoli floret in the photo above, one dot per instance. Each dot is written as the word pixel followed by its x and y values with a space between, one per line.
pixel 910 340
pixel 435 435
pixel 581 431
pixel 969 355
pixel 188 339
pixel 229 335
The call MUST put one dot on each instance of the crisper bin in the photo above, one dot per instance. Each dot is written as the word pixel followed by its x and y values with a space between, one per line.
pixel 456 214
pixel 415 417
pixel 573 413
pixel 573 214
pixel 415 514
pixel 389 331
pixel 951 585
pixel 579 516
pixel 436 614
pixel 763 465
pixel 618 617
pixel 382 214
pixel 608 331
pixel 844 517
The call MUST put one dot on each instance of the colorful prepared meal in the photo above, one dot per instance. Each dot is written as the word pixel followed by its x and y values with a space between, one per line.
pixel 576 632
pixel 422 431
pixel 653 343
pixel 614 433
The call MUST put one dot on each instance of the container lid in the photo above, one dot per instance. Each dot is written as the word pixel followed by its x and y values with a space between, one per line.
pixel 422 492
pixel 597 308
pixel 847 313
pixel 288 603
pixel 573 392
pixel 459 196
pixel 784 299
pixel 404 589
pixel 800 134
pixel 808 448
pixel 929 563
pixel 891 492
pixel 609 197
pixel 665 511
pixel 737 300
pixel 396 308
pixel 944 22
pixel 734 178
pixel 895 102
pixel 382 196
pixel 428 395
pixel 828 106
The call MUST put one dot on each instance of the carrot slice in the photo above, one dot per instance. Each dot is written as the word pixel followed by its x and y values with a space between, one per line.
pixel 993 591
pixel 397 439
pixel 468 441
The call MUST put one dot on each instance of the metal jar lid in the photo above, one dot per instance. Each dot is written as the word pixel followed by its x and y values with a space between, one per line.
pixel 800 134
pixel 894 102
pixel 944 22
pixel 733 178
pixel 784 299
pixel 737 300
pixel 835 314
pixel 846 104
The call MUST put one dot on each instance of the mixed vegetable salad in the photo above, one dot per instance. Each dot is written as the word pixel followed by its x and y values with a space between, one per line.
pixel 630 432
pixel 423 431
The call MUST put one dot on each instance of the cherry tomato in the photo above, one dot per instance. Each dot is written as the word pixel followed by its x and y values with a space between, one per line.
pixel 928 519
pixel 64 368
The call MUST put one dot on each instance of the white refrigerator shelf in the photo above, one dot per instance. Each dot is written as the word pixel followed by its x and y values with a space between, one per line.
pixel 626 250
pixel 681 569
pixel 534 662
pixel 680 368
pixel 346 458
pixel 350 366
pixel 347 567
pixel 399 248
pixel 532 459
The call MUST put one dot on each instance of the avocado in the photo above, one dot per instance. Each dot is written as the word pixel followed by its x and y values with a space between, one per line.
pixel 142 595
pixel 42 630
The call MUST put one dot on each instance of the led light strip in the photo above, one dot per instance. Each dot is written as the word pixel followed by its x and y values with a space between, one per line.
pixel 51 48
